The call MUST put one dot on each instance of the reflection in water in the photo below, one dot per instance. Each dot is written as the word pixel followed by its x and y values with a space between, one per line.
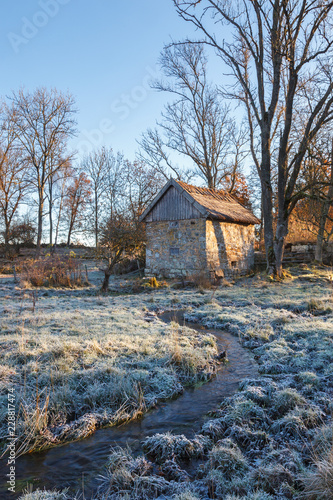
pixel 76 464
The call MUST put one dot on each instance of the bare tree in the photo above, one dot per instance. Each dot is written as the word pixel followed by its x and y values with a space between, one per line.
pixel 116 167
pixel 59 190
pixel 77 198
pixel 316 180
pixel 274 49
pixel 142 185
pixel 94 165
pixel 326 204
pixel 44 121
pixel 196 125
pixel 121 237
pixel 13 173
pixel 133 188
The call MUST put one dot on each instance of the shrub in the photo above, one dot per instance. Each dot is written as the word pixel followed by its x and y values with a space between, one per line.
pixel 53 271
pixel 201 281
pixel 153 282
pixel 22 233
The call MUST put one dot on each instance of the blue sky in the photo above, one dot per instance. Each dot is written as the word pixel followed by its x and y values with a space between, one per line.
pixel 103 51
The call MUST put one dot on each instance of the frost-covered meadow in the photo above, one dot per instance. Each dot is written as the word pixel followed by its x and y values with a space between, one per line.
pixel 272 439
pixel 79 361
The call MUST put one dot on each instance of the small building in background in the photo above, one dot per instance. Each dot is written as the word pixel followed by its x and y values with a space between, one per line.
pixel 192 231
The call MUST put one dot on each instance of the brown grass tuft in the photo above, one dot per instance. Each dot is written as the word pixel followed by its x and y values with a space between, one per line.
pixel 318 484
pixel 52 271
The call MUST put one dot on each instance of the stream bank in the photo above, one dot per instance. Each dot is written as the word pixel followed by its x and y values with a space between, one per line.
pixel 77 465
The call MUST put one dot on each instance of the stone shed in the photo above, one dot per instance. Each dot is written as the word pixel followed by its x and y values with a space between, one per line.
pixel 192 230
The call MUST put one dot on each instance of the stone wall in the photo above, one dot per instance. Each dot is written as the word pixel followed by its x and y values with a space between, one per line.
pixel 229 247
pixel 189 247
pixel 175 248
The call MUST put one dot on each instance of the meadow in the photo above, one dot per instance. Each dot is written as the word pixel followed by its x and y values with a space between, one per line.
pixel 78 361
pixel 272 439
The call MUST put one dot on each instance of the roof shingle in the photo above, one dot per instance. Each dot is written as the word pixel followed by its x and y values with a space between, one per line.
pixel 220 205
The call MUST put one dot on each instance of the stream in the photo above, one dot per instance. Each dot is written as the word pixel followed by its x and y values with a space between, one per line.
pixel 77 465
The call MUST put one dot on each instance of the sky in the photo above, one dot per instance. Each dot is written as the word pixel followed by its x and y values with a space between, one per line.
pixel 104 52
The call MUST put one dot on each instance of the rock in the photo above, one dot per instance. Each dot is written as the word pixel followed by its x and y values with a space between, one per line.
pixel 222 356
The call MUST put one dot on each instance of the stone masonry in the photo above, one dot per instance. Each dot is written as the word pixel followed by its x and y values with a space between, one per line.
pixel 196 246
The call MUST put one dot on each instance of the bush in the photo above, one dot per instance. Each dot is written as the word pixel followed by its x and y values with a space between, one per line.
pixel 22 233
pixel 201 281
pixel 53 271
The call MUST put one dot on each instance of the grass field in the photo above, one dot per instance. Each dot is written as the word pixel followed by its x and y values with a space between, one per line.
pixel 272 439
pixel 79 361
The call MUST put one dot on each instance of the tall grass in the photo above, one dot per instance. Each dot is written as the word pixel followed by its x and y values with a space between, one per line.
pixel 53 271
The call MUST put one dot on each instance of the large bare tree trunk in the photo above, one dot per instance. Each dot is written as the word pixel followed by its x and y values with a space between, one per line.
pixel 58 222
pixel 267 201
pixel 278 52
pixel 321 233
pixel 96 223
pixel 7 232
pixel 279 243
pixel 50 219
pixel 40 220
pixel 268 229
pixel 106 280
pixel 70 229
pixel 323 217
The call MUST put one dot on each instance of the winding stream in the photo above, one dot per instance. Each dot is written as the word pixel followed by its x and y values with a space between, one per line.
pixel 77 465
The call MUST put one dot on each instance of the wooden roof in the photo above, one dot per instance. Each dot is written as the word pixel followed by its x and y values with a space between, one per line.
pixel 211 203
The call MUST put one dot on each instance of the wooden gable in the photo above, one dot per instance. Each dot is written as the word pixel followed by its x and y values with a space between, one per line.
pixel 173 205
